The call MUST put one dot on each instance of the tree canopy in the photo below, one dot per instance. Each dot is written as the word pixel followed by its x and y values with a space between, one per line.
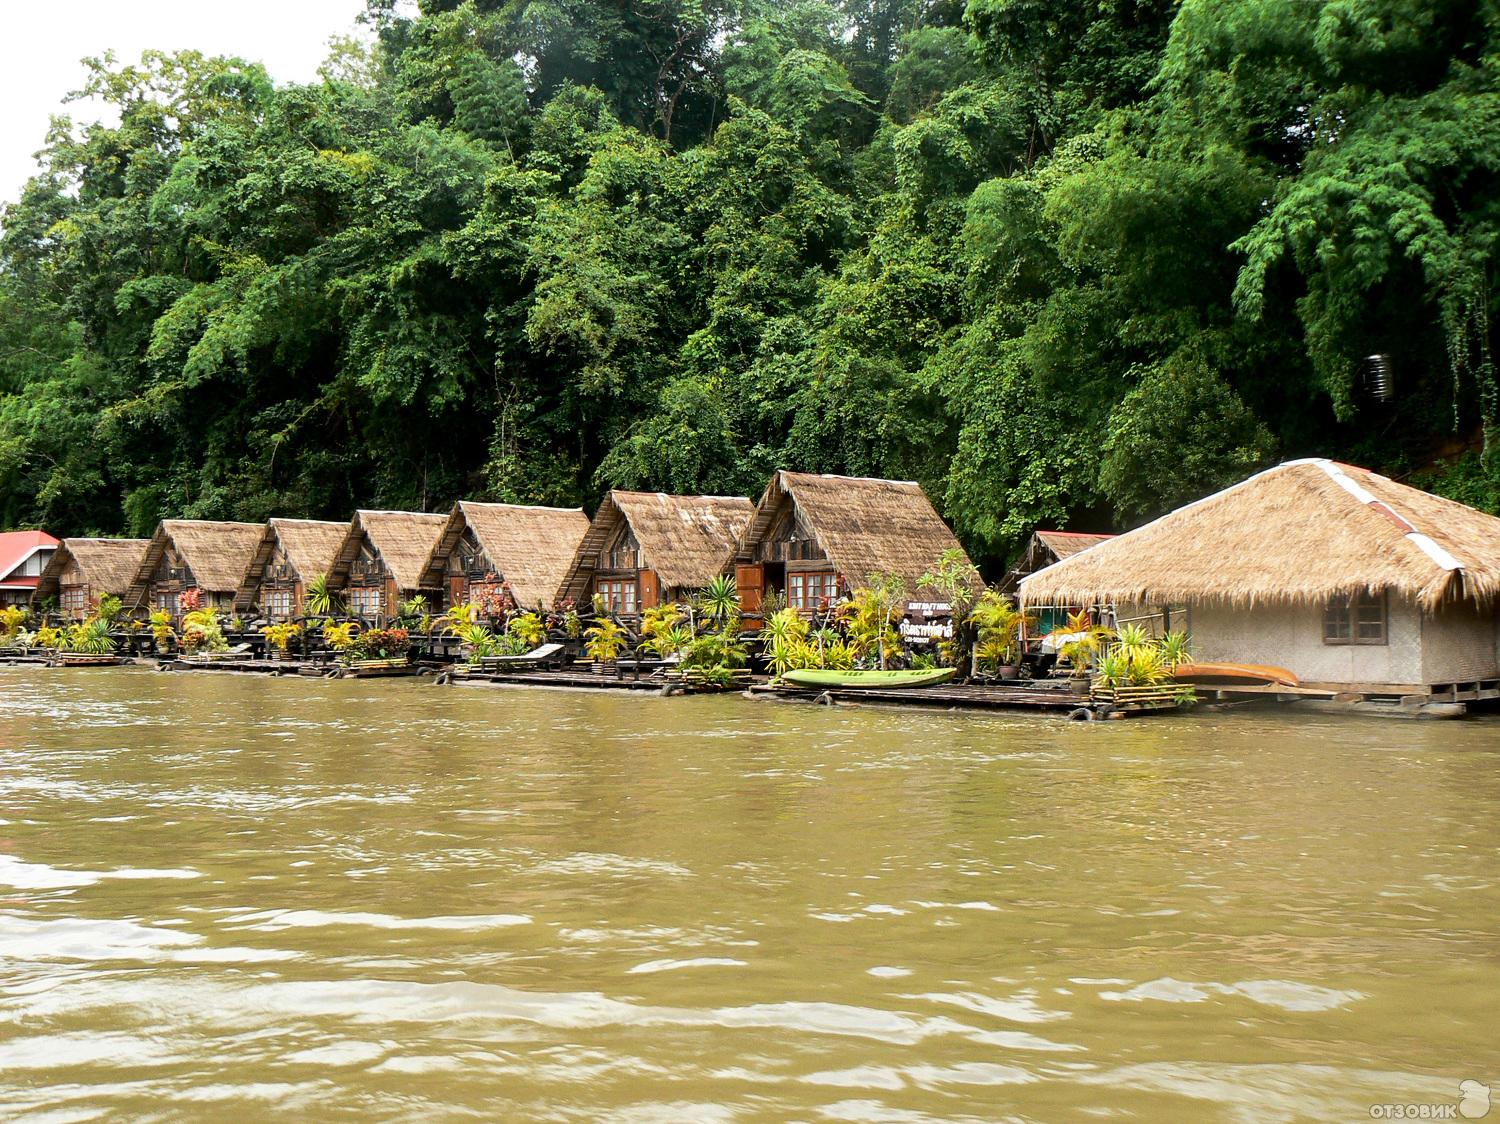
pixel 1066 264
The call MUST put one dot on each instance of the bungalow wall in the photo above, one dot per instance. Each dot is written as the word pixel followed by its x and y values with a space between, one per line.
pixel 470 575
pixel 622 583
pixel 1291 636
pixel 281 590
pixel 790 563
pixel 173 578
pixel 75 596
pixel 1459 643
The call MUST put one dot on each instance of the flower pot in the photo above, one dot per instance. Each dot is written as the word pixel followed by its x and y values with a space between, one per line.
pixel 604 667
pixel 1007 671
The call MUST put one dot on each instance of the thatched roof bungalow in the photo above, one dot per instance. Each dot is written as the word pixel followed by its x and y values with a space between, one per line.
pixel 292 552
pixel 382 561
pixel 1343 576
pixel 503 553
pixel 815 537
pixel 646 548
pixel 192 554
pixel 84 570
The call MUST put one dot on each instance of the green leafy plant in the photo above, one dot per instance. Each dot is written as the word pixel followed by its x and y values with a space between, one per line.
pixel 605 641
pixel 12 618
pixel 162 632
pixel 201 631
pixel 528 629
pixel 90 637
pixel 871 617
pixel 719 600
pixel 281 635
pixel 479 640
pixel 342 637
pixel 1175 649
pixel 319 600
pixel 997 627
pixel 1089 640
pixel 49 636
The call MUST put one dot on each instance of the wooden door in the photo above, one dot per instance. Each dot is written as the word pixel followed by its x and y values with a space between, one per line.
pixel 751 581
pixel 650 589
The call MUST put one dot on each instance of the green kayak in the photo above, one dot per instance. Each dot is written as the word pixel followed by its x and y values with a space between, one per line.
pixel 814 678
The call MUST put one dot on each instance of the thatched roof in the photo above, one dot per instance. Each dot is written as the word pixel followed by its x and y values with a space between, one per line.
pixel 107 565
pixel 687 540
pixel 1302 532
pixel 310 545
pixel 532 548
pixel 865 526
pixel 403 540
pixel 216 553
pixel 1065 544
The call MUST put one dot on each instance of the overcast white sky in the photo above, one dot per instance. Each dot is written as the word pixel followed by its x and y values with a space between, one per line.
pixel 41 43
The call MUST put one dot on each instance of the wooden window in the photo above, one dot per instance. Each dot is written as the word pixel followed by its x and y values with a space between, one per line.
pixel 1360 619
pixel 279 604
pixel 73 600
pixel 366 601
pixel 167 599
pixel 619 596
pixel 807 590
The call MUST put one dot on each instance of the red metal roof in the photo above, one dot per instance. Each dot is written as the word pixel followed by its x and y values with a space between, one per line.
pixel 15 548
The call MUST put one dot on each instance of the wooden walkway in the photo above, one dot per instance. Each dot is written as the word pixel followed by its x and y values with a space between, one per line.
pixel 954 697
pixel 574 679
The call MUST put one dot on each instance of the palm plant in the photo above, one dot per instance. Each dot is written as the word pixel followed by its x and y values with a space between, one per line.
pixel 997 625
pixel 319 600
pixel 459 617
pixel 1174 649
pixel 91 637
pixel 1089 639
pixel 785 635
pixel 719 600
pixel 871 615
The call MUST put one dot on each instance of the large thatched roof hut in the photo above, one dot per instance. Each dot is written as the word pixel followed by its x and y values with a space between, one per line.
pixel 292 552
pixel 644 548
pixel 1341 575
pixel 186 554
pixel 814 537
pixel 505 551
pixel 84 570
pixel 382 560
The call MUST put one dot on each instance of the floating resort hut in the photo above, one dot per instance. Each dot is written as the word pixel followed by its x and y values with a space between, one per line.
pixel 192 554
pixel 501 553
pixel 813 538
pixel 1045 548
pixel 1350 580
pixel 23 557
pixel 84 570
pixel 292 552
pixel 646 548
pixel 382 559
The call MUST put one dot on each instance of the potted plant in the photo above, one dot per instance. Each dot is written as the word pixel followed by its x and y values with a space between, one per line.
pixel 603 644
pixel 163 636
pixel 279 638
pixel 997 627
pixel 1079 653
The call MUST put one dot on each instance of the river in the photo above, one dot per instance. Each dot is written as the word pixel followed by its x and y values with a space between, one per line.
pixel 241 898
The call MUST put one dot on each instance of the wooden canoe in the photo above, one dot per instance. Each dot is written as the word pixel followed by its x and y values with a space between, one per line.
pixel 1230 673
pixel 812 677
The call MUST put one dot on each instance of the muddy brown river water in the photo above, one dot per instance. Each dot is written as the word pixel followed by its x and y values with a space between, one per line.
pixel 239 899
